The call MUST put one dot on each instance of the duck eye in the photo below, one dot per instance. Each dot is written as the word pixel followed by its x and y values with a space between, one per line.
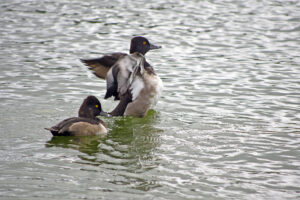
pixel 144 43
pixel 97 106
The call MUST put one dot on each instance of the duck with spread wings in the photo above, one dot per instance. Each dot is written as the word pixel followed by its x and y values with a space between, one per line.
pixel 129 78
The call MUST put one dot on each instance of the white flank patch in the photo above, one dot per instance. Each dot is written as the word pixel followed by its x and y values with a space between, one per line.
pixel 136 87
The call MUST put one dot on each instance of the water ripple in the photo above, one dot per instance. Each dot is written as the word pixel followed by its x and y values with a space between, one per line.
pixel 226 127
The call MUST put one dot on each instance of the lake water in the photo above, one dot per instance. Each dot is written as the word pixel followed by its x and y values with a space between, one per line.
pixel 226 127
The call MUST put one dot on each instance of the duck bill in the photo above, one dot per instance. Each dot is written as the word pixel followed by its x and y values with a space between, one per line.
pixel 152 46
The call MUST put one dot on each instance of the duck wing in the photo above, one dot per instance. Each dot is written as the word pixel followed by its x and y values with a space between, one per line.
pixel 101 66
pixel 62 128
pixel 121 75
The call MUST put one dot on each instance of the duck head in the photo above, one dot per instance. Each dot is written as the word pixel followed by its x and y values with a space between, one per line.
pixel 90 108
pixel 142 45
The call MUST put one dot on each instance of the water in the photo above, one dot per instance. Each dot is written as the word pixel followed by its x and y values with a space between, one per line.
pixel 226 127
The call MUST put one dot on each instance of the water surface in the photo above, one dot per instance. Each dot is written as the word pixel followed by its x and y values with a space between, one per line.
pixel 226 127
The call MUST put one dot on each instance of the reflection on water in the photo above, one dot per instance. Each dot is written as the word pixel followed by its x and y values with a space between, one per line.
pixel 88 145
pixel 130 133
pixel 129 149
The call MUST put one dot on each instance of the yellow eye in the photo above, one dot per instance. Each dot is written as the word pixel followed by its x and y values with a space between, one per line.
pixel 144 43
pixel 97 106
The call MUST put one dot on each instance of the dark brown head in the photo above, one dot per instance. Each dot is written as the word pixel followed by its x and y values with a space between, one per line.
pixel 141 45
pixel 90 108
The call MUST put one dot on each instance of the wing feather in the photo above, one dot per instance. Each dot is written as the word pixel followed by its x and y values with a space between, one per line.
pixel 100 66
pixel 122 74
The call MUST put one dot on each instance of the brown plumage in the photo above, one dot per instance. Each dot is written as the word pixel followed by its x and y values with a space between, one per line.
pixel 85 124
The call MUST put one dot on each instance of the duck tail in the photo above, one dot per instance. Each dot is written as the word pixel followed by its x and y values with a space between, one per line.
pixel 52 130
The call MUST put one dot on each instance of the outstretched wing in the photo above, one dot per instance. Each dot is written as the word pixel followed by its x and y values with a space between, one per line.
pixel 101 66
pixel 121 75
pixel 112 83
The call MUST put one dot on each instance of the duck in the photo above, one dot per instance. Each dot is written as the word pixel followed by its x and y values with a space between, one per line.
pixel 129 78
pixel 86 124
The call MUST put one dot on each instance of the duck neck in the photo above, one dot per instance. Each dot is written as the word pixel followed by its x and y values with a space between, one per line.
pixel 136 50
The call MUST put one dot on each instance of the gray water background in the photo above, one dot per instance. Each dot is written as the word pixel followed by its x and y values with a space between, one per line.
pixel 226 127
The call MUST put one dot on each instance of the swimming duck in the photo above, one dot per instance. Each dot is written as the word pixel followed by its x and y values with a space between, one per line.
pixel 85 124
pixel 129 78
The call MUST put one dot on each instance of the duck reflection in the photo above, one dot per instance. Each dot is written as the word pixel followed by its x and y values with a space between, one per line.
pixel 85 144
pixel 127 152
pixel 134 140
